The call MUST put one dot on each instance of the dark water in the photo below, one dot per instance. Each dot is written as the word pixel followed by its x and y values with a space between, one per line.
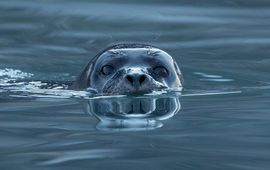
pixel 220 47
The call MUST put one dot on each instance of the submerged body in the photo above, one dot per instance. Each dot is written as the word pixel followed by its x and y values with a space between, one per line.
pixel 130 69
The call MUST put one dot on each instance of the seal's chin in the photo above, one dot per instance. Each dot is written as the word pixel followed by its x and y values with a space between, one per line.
pixel 117 87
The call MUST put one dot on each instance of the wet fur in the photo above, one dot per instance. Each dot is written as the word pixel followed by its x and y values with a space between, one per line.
pixel 83 81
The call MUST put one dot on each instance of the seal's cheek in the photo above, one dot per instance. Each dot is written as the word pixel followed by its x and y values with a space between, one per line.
pixel 113 82
pixel 171 81
pixel 179 77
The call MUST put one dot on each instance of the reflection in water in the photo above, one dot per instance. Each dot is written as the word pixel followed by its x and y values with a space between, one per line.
pixel 133 112
pixel 114 112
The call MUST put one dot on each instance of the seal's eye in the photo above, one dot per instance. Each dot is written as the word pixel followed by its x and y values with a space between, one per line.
pixel 160 71
pixel 107 70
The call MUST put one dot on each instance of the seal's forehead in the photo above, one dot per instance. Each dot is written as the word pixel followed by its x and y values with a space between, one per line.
pixel 137 52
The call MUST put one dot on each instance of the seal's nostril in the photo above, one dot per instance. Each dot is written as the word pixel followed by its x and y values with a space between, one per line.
pixel 136 80
pixel 129 78
pixel 142 79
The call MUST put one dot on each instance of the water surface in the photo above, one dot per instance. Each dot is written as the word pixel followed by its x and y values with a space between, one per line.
pixel 220 46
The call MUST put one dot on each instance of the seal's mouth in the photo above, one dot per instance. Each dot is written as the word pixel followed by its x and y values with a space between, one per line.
pixel 139 91
pixel 113 87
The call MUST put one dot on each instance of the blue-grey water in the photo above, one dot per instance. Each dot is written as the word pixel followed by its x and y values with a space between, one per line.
pixel 222 48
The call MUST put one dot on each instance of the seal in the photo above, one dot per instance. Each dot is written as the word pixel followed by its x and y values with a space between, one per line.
pixel 130 69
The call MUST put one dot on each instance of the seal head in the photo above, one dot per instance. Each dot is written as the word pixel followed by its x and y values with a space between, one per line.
pixel 130 69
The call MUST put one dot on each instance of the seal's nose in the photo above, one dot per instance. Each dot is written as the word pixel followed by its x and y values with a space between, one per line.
pixel 136 79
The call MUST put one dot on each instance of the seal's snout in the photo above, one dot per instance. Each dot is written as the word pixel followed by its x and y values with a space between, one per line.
pixel 136 80
pixel 132 81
